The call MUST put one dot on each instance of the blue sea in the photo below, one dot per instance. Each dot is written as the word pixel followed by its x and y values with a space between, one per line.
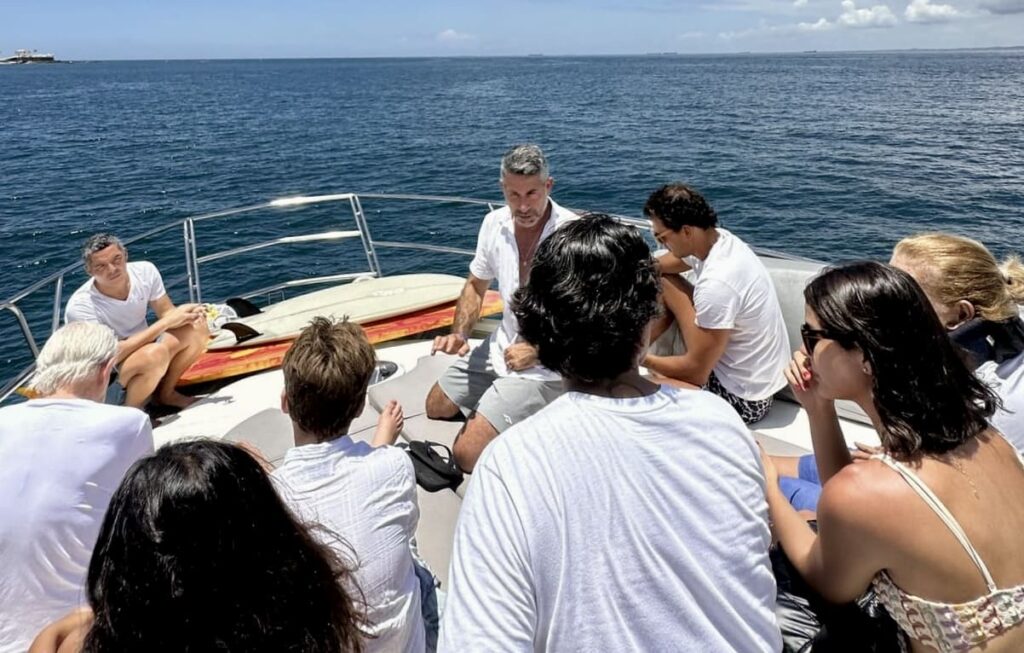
pixel 830 156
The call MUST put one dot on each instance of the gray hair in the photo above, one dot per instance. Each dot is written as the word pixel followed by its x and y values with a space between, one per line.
pixel 99 242
pixel 527 160
pixel 73 353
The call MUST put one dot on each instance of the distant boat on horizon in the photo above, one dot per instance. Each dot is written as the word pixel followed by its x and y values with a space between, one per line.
pixel 27 56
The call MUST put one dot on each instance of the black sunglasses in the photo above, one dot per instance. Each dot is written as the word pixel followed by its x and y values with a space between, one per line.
pixel 811 337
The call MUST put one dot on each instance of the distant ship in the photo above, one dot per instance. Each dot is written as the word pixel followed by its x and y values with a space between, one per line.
pixel 26 56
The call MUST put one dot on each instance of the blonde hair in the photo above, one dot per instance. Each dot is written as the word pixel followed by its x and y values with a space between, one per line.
pixel 957 268
pixel 73 353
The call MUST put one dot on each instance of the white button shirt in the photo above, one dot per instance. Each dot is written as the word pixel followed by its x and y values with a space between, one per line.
pixel 497 257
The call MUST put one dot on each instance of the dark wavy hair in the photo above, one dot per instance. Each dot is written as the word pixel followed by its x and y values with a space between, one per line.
pixel 679 205
pixel 928 400
pixel 198 553
pixel 592 290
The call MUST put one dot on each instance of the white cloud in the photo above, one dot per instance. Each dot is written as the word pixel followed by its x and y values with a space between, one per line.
pixel 451 36
pixel 1003 6
pixel 877 16
pixel 690 36
pixel 820 26
pixel 923 11
pixel 799 3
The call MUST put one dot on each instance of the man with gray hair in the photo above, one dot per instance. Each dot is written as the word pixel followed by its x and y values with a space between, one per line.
pixel 62 455
pixel 500 382
pixel 151 357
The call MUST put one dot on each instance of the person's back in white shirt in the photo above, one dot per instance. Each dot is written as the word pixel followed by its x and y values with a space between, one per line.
pixel 367 497
pixel 126 317
pixel 60 462
pixel 616 524
pixel 734 291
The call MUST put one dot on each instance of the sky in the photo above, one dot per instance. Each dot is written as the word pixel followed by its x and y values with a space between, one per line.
pixel 195 29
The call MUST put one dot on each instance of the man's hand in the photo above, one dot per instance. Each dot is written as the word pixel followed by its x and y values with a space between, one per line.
pixel 179 316
pixel 453 343
pixel 520 356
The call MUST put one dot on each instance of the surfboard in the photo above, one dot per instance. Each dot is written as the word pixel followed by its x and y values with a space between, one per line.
pixel 362 301
pixel 228 363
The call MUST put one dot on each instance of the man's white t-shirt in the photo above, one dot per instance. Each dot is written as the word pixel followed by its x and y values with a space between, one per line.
pixel 497 257
pixel 734 291
pixel 60 462
pixel 367 496
pixel 126 317
pixel 616 525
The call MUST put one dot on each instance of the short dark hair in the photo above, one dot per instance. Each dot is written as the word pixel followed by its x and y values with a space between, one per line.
pixel 198 552
pixel 99 242
pixel 326 373
pixel 928 401
pixel 678 205
pixel 592 291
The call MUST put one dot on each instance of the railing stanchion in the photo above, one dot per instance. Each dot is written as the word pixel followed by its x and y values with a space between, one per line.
pixel 364 232
pixel 57 297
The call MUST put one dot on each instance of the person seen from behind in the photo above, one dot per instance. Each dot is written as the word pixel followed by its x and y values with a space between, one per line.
pixel 62 455
pixel 625 516
pixel 198 553
pixel 365 491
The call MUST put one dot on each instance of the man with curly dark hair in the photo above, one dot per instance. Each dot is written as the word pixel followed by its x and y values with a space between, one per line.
pixel 587 527
pixel 729 318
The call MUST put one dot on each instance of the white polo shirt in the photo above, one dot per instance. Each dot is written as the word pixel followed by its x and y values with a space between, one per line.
pixel 734 291
pixel 497 257
pixel 126 317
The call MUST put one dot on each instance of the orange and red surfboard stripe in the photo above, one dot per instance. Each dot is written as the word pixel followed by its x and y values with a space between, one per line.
pixel 228 363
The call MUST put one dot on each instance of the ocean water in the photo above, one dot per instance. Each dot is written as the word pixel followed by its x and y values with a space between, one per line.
pixel 830 156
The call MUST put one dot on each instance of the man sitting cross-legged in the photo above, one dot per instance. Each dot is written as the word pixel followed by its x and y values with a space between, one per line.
pixel 363 492
pixel 62 456
pixel 150 357
pixel 624 516
pixel 499 383
pixel 730 318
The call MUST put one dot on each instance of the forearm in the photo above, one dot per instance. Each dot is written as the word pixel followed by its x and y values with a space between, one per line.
pixel 129 345
pixel 684 367
pixel 792 532
pixel 467 310
pixel 669 263
pixel 830 450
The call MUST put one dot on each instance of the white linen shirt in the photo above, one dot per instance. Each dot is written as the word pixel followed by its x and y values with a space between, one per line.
pixel 734 291
pixel 126 317
pixel 367 497
pixel 615 525
pixel 60 462
pixel 497 257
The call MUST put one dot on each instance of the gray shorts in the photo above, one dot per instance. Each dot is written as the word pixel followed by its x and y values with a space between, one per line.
pixel 473 385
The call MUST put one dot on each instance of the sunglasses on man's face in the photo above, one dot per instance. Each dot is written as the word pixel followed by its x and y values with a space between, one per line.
pixel 812 337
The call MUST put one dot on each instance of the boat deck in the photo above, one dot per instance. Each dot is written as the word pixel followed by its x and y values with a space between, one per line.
pixel 249 411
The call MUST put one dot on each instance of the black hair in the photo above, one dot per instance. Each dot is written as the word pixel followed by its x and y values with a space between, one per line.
pixel 197 552
pixel 592 290
pixel 927 399
pixel 678 205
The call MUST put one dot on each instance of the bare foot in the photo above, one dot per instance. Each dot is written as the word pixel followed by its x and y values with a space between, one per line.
pixel 175 399
pixel 389 425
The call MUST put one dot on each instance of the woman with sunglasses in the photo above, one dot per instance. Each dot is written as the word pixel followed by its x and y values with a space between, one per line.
pixel 933 520
pixel 978 302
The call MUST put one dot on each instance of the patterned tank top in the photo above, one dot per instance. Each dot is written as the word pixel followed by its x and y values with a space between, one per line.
pixel 949 627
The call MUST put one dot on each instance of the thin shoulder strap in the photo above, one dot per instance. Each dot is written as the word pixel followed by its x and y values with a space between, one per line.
pixel 937 506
